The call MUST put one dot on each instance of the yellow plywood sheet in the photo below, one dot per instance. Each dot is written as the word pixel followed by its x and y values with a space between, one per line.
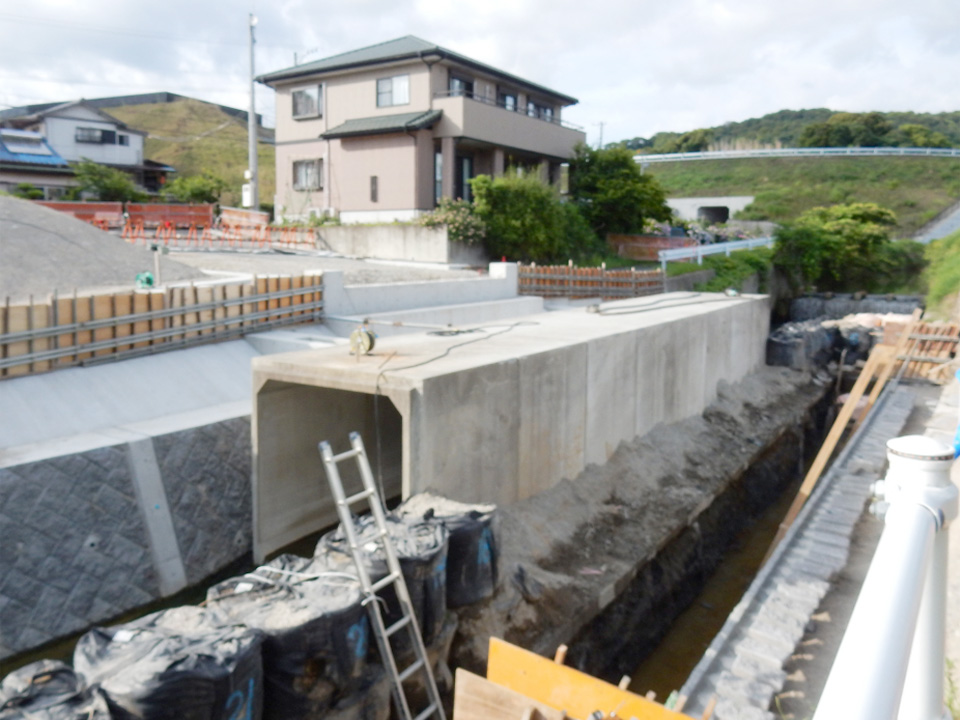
pixel 475 698
pixel 564 688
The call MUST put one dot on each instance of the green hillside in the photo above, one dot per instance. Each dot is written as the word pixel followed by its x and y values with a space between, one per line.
pixel 916 189
pixel 817 127
pixel 195 137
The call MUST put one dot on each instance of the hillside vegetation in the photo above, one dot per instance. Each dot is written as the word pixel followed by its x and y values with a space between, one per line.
pixel 195 137
pixel 916 189
pixel 818 127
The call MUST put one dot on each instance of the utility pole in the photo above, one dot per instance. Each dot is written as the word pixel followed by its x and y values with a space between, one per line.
pixel 600 142
pixel 252 180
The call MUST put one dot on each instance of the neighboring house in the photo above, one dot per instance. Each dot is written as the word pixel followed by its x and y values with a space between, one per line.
pixel 77 131
pixel 381 133
pixel 26 157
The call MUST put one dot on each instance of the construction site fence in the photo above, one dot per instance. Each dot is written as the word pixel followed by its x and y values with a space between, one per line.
pixel 223 237
pixel 110 215
pixel 67 331
pixel 930 352
pixel 573 282
pixel 646 247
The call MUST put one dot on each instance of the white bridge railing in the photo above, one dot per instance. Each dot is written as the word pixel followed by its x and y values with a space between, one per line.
pixel 699 251
pixel 798 152
pixel 891 662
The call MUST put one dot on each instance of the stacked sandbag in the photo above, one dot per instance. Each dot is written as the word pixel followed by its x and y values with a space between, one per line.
pixel 472 553
pixel 316 632
pixel 49 690
pixel 421 548
pixel 178 664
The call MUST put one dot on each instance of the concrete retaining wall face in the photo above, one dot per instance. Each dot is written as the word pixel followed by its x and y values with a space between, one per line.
pixel 206 477
pixel 75 549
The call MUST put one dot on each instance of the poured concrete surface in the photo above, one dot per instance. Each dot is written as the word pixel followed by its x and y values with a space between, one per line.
pixel 494 415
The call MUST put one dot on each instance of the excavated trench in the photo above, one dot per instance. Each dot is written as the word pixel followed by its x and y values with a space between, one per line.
pixel 606 563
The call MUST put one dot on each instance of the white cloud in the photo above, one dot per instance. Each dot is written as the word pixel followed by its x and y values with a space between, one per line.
pixel 637 66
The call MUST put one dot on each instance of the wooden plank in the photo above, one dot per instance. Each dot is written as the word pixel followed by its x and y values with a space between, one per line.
pixel 66 315
pixel 886 369
pixel 84 313
pixel 141 304
pixel 123 306
pixel 102 310
pixel 204 296
pixel 564 688
pixel 878 355
pixel 17 320
pixel 476 698
pixel 40 319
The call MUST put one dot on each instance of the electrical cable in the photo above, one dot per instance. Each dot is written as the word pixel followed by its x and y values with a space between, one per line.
pixel 377 393
pixel 633 309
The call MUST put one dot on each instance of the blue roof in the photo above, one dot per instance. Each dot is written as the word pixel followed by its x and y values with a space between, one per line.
pixel 28 148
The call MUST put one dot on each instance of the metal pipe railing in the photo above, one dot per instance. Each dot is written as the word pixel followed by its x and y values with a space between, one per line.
pixel 699 251
pixel 892 659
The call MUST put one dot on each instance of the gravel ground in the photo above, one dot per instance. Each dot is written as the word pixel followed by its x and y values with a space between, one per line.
pixel 356 271
pixel 42 250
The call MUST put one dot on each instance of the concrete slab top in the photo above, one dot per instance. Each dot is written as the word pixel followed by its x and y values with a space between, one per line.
pixel 402 362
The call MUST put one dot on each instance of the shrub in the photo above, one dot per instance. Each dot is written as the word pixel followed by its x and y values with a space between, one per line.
pixel 462 223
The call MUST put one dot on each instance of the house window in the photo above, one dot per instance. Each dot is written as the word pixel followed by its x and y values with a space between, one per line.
pixel 393 91
pixel 108 137
pixel 546 114
pixel 374 190
pixel 308 102
pixel 459 87
pixel 508 100
pixel 123 139
pixel 531 109
pixel 308 175
pixel 88 135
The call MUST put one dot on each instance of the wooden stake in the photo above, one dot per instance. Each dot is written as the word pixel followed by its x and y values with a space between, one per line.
pixel 561 655
pixel 878 355
pixel 708 711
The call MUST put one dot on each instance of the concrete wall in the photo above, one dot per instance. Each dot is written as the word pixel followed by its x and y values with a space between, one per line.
pixel 688 208
pixel 501 414
pixel 341 300
pixel 91 535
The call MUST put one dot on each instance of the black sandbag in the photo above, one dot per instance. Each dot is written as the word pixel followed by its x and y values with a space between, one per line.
pixel 472 554
pixel 178 664
pixel 316 632
pixel 421 549
pixel 371 701
pixel 49 690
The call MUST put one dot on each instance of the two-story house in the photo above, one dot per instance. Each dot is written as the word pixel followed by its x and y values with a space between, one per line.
pixel 77 131
pixel 381 133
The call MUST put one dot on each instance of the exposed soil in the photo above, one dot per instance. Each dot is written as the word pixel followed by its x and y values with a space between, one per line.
pixel 567 553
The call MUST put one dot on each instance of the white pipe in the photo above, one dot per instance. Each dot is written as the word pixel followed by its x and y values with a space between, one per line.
pixel 866 681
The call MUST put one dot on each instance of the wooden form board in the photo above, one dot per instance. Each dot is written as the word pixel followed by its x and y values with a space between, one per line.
pixel 125 328
pixel 476 698
pixel 564 688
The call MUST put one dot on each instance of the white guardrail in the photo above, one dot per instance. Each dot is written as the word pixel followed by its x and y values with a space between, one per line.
pixel 798 152
pixel 891 661
pixel 699 251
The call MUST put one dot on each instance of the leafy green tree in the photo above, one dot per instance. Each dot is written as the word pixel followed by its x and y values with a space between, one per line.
pixel 611 192
pixel 203 188
pixel 913 135
pixel 458 216
pixel 841 247
pixel 848 130
pixel 526 220
pixel 28 191
pixel 106 183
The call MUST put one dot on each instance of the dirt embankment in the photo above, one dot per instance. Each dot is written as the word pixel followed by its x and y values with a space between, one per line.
pixel 567 553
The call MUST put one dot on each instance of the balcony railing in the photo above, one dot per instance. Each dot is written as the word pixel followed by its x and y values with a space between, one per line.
pixel 516 108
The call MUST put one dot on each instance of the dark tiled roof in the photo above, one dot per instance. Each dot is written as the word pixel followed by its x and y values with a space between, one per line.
pixel 405 48
pixel 382 124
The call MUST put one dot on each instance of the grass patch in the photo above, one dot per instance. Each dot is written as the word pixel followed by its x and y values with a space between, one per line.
pixel 916 189
pixel 943 275
pixel 734 271
pixel 195 137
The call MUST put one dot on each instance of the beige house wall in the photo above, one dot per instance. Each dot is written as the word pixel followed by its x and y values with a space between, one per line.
pixel 391 158
pixel 297 204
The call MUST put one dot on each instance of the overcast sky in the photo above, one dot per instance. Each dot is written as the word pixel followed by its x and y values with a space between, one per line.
pixel 636 66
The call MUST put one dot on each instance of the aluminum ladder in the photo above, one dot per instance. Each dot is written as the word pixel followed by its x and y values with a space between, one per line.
pixel 394 577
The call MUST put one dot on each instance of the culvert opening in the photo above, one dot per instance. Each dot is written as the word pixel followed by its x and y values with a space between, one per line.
pixel 292 498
